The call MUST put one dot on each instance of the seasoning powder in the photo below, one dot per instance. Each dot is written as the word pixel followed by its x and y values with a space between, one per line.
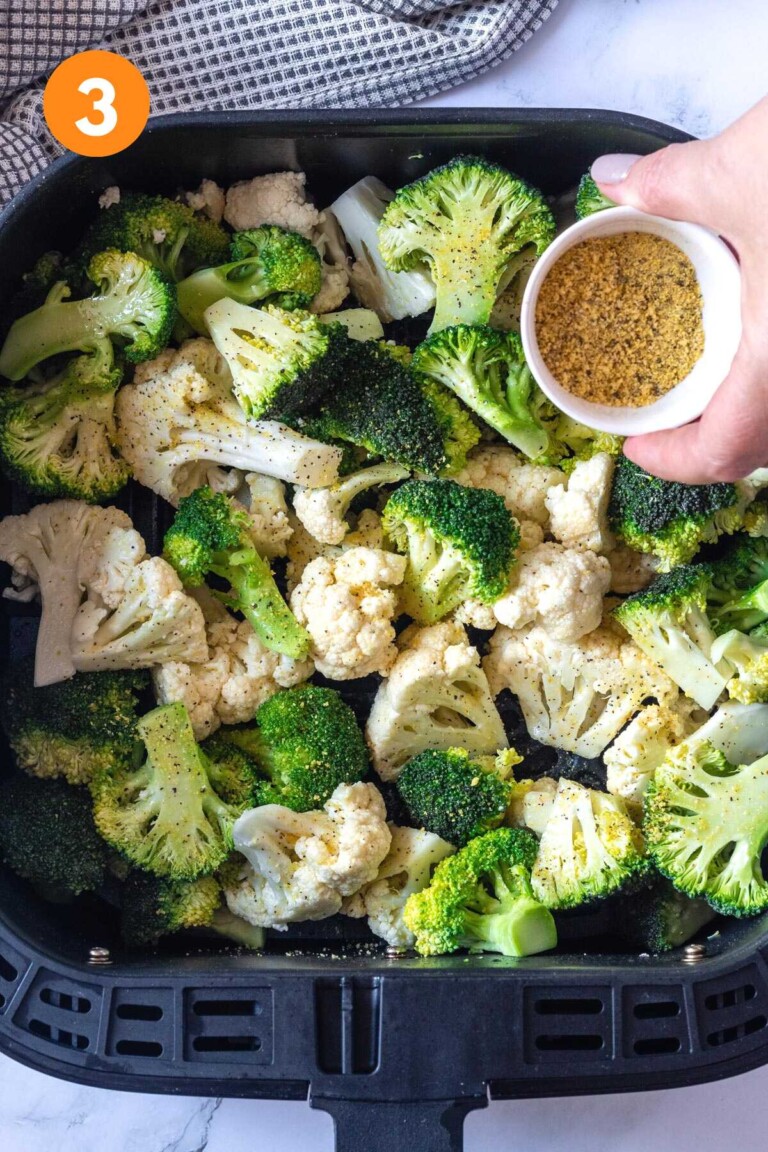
pixel 619 319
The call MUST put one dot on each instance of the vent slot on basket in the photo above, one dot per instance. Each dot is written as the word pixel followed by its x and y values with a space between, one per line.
pixel 733 1007
pixel 12 965
pixel 60 1011
pixel 563 1021
pixel 65 1000
pixel 654 1021
pixel 139 1024
pixel 234 1026
pixel 61 1036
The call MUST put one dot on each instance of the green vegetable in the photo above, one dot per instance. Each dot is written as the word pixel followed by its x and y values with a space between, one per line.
pixel 152 907
pixel 738 593
pixel 659 918
pixel 589 198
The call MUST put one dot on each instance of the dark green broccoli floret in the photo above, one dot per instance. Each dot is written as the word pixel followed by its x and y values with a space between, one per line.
pixel 481 899
pixel 306 742
pixel 152 907
pixel 133 306
pixel 57 438
pixel 706 823
pixel 589 198
pixel 455 796
pixel 267 264
pixel 659 917
pixel 668 519
pixel 74 727
pixel 168 234
pixel 233 772
pixel 281 362
pixel 487 371
pixel 47 836
pixel 167 817
pixel 460 543
pixel 211 534
pixel 738 594
pixel 570 442
pixel 466 220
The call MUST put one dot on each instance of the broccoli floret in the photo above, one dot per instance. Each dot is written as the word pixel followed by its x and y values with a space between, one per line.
pixel 466 220
pixel 460 543
pixel 281 362
pixel 72 728
pixel 589 848
pixel 47 836
pixel 267 264
pixel 659 918
pixel 668 519
pixel 738 593
pixel 589 198
pixel 133 306
pixel 487 371
pixel 570 442
pixel 459 431
pixel 210 534
pixel 747 657
pixel 164 232
pixel 57 438
pixel 481 899
pixel 167 816
pixel 152 907
pixel 455 796
pixel 306 742
pixel 706 823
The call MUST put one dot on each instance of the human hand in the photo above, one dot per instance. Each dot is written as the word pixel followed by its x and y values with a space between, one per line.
pixel 721 183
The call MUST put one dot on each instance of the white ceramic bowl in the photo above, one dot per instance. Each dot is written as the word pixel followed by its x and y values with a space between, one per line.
pixel 719 279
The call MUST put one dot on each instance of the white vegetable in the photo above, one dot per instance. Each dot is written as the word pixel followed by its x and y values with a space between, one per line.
pixel 630 571
pixel 531 804
pixel 323 511
pixel 277 198
pixel 328 240
pixel 560 588
pixel 209 198
pixel 739 731
pixel 638 751
pixel 579 509
pixel 436 696
pixel 522 486
pixel 300 866
pixel 264 497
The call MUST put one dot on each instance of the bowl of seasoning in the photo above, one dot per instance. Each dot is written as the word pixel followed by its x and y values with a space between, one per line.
pixel 630 322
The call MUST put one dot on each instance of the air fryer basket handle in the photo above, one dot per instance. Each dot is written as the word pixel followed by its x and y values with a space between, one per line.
pixel 399 1126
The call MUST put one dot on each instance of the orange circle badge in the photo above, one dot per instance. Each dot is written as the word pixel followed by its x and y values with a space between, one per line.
pixel 96 103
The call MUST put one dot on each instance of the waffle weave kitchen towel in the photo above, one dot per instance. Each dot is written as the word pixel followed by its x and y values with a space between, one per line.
pixel 219 54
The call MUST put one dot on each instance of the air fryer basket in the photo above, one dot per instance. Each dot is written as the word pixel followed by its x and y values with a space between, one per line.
pixel 398 1050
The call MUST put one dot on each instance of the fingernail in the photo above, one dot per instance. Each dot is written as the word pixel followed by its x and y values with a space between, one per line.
pixel 613 167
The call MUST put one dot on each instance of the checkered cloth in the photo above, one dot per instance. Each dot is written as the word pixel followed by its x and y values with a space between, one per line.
pixel 224 54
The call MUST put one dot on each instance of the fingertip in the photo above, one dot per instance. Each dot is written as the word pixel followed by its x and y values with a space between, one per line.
pixel 613 167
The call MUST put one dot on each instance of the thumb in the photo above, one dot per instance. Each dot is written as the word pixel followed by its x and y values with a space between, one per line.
pixel 672 182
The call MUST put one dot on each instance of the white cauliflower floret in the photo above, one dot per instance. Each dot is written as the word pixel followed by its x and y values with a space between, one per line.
pixel 522 486
pixel 531 535
pixel 300 866
pixel 209 198
pixel 329 241
pixel 323 511
pixel 179 427
pixel 238 676
pixel 436 696
pixel 560 588
pixel 575 696
pixel 264 497
pixel 303 548
pixel 347 606
pixel 277 198
pixel 630 571
pixel 578 510
pixel 407 868
pixel 531 804
pixel 109 197
pixel 476 614
pixel 638 751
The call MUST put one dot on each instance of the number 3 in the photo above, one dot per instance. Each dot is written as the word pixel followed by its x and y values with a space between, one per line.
pixel 104 105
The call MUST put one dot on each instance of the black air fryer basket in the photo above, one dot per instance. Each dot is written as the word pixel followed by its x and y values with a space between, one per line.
pixel 397 1049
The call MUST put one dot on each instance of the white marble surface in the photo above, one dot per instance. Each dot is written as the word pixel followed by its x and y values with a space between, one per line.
pixel 693 63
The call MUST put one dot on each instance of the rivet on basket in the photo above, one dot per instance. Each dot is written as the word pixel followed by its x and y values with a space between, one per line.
pixel 692 953
pixel 98 955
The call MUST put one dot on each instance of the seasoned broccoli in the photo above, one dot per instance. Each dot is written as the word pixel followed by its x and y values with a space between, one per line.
pixel 706 823
pixel 460 543
pixel 133 306
pixel 166 233
pixel 57 438
pixel 281 362
pixel 47 836
pixel 589 848
pixel 481 899
pixel 487 370
pixel 456 796
pixel 267 264
pixel 466 221
pixel 167 817
pixel 747 657
pixel 738 593
pixel 72 728
pixel 211 534
pixel 589 198
pixel 659 918
pixel 459 431
pixel 570 442
pixel 152 907
pixel 670 520
pixel 306 742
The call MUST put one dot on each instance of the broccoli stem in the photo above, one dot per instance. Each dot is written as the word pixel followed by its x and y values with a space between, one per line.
pixel 210 285
pixel 65 326
pixel 522 930
pixel 457 303
pixel 255 594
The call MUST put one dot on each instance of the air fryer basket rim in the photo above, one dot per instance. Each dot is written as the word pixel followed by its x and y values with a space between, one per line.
pixel 361 1034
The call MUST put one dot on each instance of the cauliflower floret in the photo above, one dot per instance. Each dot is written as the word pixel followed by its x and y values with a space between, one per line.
pixel 476 615
pixel 300 866
pixel 560 588
pixel 277 198
pixel 630 571
pixel 531 804
pixel 209 199
pixel 347 606
pixel 638 751
pixel 264 496
pixel 579 509
pixel 522 486
pixel 323 511
pixel 531 535
pixel 303 548
pixel 407 868
pixel 436 696
pixel 575 696
pixel 109 197
pixel 238 676
pixel 328 240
